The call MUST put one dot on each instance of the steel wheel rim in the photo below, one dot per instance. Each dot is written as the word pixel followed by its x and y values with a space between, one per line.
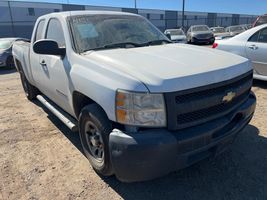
pixel 94 141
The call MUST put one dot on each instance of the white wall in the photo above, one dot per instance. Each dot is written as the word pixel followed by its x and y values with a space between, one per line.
pixel 20 10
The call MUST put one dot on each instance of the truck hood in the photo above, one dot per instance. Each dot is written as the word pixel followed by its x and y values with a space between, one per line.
pixel 173 67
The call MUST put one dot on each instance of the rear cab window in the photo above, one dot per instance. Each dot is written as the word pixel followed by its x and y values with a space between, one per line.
pixel 39 30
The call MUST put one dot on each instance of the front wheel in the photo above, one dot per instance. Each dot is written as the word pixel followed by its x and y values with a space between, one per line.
pixel 94 129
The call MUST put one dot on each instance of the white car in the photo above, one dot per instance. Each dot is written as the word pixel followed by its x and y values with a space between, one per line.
pixel 235 30
pixel 176 35
pixel 251 44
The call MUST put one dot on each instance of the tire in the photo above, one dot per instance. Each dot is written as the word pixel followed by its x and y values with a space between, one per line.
pixel 10 62
pixel 94 130
pixel 30 91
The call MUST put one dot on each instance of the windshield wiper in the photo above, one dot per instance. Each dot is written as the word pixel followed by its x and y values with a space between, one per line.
pixel 115 45
pixel 126 44
pixel 157 42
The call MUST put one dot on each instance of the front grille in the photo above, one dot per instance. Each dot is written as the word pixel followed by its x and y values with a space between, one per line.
pixel 203 36
pixel 210 111
pixel 199 105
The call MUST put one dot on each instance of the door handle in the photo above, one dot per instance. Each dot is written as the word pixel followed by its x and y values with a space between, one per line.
pixel 253 47
pixel 43 62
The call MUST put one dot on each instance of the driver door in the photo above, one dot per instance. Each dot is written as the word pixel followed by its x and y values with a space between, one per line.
pixel 56 69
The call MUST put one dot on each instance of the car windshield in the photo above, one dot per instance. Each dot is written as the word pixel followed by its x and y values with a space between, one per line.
pixel 236 28
pixel 200 28
pixel 93 32
pixel 175 32
pixel 4 44
pixel 218 30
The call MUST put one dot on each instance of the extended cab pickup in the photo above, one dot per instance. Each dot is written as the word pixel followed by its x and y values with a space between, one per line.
pixel 144 106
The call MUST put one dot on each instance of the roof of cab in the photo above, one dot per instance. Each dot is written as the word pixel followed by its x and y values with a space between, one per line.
pixel 87 12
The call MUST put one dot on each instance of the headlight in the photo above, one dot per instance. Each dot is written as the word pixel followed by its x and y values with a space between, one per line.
pixel 140 109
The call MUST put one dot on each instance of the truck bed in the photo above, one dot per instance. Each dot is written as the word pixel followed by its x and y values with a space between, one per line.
pixel 21 54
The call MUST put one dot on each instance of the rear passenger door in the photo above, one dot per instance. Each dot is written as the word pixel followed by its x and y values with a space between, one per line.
pixel 256 49
pixel 56 69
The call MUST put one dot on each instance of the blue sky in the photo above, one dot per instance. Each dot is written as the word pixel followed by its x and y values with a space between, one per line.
pixel 227 6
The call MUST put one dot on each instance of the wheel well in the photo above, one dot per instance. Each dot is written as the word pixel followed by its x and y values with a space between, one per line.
pixel 17 64
pixel 79 101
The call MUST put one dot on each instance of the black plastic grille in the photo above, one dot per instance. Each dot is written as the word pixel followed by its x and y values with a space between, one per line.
pixel 210 111
pixel 199 105
pixel 213 91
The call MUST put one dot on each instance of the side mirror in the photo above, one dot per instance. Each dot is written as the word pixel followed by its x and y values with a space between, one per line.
pixel 48 47
pixel 168 35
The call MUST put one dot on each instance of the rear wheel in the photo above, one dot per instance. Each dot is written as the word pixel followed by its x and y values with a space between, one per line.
pixel 30 91
pixel 10 62
pixel 94 129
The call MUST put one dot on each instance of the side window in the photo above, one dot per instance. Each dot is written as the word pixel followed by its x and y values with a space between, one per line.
pixel 55 32
pixel 254 37
pixel 39 30
pixel 263 36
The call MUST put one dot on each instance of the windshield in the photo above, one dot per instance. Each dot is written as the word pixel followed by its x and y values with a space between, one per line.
pixel 236 28
pixel 218 30
pixel 5 44
pixel 98 31
pixel 176 32
pixel 200 28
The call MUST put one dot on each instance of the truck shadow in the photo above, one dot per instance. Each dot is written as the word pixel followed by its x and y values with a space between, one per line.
pixel 260 84
pixel 239 173
pixel 236 174
pixel 71 136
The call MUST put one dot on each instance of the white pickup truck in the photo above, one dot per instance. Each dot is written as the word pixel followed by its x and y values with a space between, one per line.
pixel 144 106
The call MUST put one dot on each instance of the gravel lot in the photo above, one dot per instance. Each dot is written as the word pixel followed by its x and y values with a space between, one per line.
pixel 41 159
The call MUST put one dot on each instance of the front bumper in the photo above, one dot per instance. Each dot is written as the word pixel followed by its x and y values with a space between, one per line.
pixel 153 153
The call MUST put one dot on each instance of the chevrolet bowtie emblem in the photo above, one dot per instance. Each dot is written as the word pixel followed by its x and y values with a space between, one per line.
pixel 229 97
